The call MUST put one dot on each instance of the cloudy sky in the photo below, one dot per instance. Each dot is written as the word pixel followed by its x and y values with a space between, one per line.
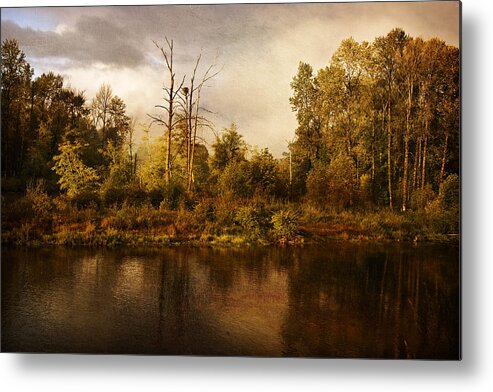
pixel 257 48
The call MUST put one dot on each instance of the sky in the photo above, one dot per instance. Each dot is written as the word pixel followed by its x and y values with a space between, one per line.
pixel 256 48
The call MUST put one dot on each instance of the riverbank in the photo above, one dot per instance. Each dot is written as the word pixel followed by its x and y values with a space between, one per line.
pixel 41 220
pixel 134 239
pixel 137 227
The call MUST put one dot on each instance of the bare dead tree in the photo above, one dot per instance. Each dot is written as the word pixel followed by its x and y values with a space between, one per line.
pixel 194 119
pixel 170 99
pixel 130 143
pixel 100 108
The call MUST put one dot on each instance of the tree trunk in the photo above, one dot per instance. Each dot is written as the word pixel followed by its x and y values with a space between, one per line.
pixel 373 150
pixel 423 165
pixel 389 157
pixel 188 98
pixel 194 140
pixel 170 121
pixel 444 158
pixel 417 159
pixel 406 149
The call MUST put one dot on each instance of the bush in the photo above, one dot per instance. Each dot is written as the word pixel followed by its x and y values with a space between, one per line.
pixel 285 225
pixel 342 181
pixel 224 211
pixel 450 191
pixel 442 220
pixel 18 212
pixel 173 195
pixel 334 184
pixel 112 196
pixel 129 217
pixel 156 197
pixel 317 188
pixel 236 180
pixel 86 199
pixel 254 220
pixel 41 204
pixel 420 198
pixel 134 194
pixel 205 211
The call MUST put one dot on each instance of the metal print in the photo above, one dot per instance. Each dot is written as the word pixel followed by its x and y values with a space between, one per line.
pixel 235 180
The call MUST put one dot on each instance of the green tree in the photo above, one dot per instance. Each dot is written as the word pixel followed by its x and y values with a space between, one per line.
pixel 264 175
pixel 118 122
pixel 410 65
pixel 308 132
pixel 75 177
pixel 388 51
pixel 317 185
pixel 100 110
pixel 236 180
pixel 341 175
pixel 16 106
pixel 228 147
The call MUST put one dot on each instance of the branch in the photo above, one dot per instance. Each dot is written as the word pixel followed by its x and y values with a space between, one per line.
pixel 156 120
pixel 170 66
pixel 177 91
pixel 162 107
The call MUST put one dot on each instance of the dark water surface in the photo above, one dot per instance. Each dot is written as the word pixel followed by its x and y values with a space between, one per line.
pixel 335 300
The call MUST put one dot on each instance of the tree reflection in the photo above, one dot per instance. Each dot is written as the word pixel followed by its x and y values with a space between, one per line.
pixel 361 302
pixel 339 300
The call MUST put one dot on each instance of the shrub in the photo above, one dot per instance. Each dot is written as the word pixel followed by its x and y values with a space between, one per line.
pixel 224 211
pixel 342 181
pixel 285 225
pixel 442 220
pixel 205 211
pixel 420 198
pixel 450 191
pixel 254 220
pixel 129 217
pixel 134 194
pixel 334 184
pixel 364 192
pixel 86 198
pixel 112 196
pixel 18 212
pixel 41 204
pixel 156 197
pixel 317 184
pixel 173 195
pixel 236 180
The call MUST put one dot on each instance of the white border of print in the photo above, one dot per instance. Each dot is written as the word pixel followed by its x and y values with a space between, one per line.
pixel 28 372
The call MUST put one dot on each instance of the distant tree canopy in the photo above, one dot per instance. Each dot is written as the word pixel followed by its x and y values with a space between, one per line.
pixel 378 126
pixel 386 111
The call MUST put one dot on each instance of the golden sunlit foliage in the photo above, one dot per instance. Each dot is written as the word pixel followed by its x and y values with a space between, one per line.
pixel 375 156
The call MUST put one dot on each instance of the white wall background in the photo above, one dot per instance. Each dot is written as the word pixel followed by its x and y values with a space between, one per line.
pixel 134 373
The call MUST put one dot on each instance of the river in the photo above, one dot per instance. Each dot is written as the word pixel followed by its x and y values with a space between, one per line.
pixel 332 300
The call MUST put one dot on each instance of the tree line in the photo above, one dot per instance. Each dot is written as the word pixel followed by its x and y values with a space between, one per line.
pixel 379 123
pixel 85 149
pixel 378 129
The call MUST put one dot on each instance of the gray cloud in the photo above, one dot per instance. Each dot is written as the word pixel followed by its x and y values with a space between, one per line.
pixel 90 40
pixel 259 46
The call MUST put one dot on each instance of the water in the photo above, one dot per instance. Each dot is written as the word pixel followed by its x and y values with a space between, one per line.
pixel 336 300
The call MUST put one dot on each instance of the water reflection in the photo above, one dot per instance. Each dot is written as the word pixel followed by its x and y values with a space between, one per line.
pixel 340 300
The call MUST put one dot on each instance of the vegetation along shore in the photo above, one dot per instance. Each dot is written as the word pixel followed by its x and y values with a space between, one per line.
pixel 374 157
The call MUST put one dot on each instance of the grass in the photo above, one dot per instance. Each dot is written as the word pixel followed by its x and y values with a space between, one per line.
pixel 216 222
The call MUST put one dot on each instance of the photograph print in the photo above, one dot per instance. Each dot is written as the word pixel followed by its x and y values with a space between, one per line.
pixel 266 180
